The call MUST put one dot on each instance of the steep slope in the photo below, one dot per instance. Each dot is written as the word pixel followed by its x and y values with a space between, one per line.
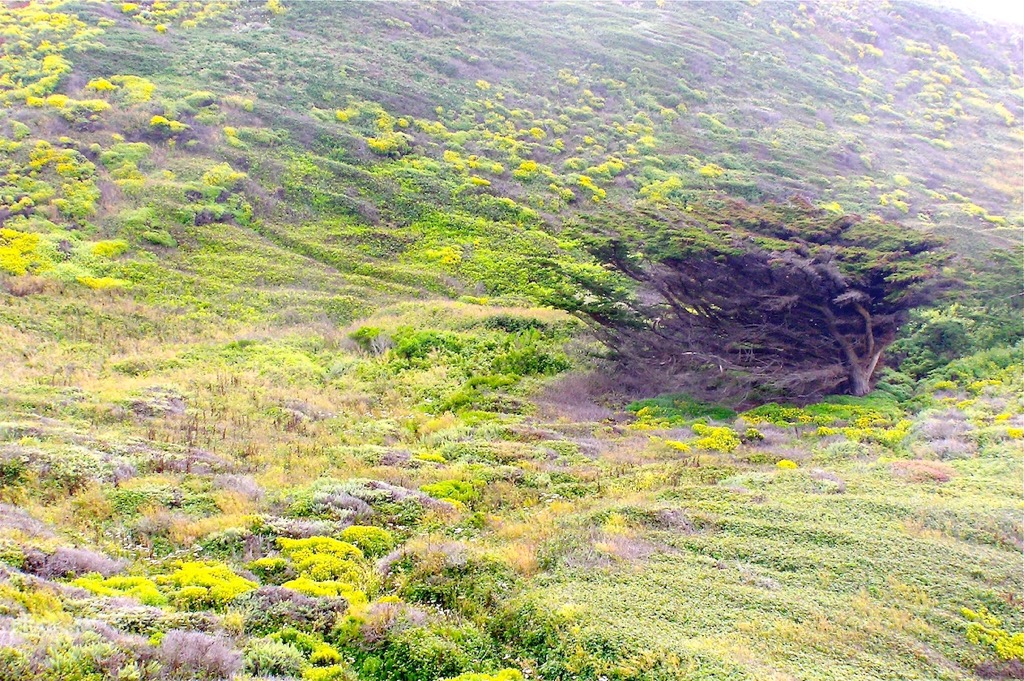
pixel 277 397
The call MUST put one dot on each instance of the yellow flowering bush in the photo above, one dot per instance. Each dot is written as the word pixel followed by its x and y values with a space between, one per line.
pixel 716 438
pixel 503 675
pixel 301 549
pixel 325 559
pixel 309 587
pixel 141 588
pixel 200 584
pixel 134 89
pixel 167 125
pixel 17 251
pixel 223 175
pixel 100 283
pixel 711 171
pixel 986 629
pixel 100 85
pixel 110 249
pixel 392 144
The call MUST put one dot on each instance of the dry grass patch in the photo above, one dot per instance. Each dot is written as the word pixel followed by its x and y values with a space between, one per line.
pixel 922 471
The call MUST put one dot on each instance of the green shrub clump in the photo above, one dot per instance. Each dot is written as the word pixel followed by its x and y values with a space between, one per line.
pixel 160 238
pixel 270 569
pixel 456 490
pixel 318 653
pixel 166 126
pixel 676 410
pixel 531 360
pixel 373 541
pixel 364 336
pixel 270 657
pixel 420 344
pixel 428 653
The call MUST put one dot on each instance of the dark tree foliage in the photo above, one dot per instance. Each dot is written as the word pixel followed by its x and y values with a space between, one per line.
pixel 782 300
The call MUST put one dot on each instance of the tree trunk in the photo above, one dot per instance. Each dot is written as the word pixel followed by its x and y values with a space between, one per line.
pixel 860 375
pixel 860 380
pixel 858 371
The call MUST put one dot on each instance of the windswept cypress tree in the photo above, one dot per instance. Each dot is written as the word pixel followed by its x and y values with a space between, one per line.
pixel 785 299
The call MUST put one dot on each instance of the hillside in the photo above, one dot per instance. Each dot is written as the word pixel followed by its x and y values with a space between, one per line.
pixel 282 393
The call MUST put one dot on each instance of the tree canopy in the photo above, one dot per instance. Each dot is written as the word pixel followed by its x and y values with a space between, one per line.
pixel 782 300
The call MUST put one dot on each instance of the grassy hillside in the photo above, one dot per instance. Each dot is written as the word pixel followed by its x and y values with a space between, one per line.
pixel 278 399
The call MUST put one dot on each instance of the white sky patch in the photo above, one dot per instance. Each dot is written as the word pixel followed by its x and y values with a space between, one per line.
pixel 1009 12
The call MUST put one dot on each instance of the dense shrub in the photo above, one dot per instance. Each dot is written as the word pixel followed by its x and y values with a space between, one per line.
pixel 66 562
pixel 427 654
pixel 530 360
pixel 194 655
pixel 311 646
pixel 325 589
pixel 514 324
pixel 159 237
pixel 270 608
pixel 457 490
pixel 984 628
pixel 201 585
pixel 269 657
pixel 562 648
pixel 335 672
pixel 382 619
pixel 715 438
pixel 12 469
pixel 163 127
pixel 373 541
pixel 272 569
pixel 331 503
pixel 145 590
pixel 89 655
pixel 420 344
pixel 872 411
pixel 447 576
pixel 371 338
pixel 324 559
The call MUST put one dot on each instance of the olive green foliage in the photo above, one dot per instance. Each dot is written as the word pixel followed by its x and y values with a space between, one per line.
pixel 458 490
pixel 671 410
pixel 983 314
pixel 270 657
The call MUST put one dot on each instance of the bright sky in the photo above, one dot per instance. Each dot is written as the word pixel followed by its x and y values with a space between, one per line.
pixel 1002 11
